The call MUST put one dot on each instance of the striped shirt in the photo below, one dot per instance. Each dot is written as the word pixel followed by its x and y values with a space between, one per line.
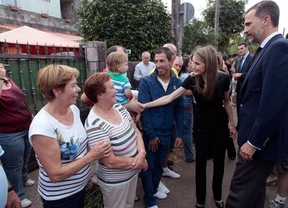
pixel 123 143
pixel 72 145
pixel 121 83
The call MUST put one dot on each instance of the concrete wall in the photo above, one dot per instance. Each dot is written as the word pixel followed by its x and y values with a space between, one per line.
pixel 35 20
pixel 50 7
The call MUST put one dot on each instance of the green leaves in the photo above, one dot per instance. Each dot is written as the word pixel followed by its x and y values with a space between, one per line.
pixel 230 20
pixel 138 25
pixel 197 33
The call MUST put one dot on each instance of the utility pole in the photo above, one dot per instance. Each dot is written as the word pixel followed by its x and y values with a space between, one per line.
pixel 175 22
pixel 216 23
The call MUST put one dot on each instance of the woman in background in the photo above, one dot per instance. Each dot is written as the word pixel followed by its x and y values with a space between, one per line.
pixel 184 72
pixel 231 151
pixel 15 120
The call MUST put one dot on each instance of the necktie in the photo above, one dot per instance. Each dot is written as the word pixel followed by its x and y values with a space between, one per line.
pixel 240 64
pixel 257 52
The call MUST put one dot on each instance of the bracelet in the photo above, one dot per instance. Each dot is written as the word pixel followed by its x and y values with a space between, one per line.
pixel 11 188
pixel 143 151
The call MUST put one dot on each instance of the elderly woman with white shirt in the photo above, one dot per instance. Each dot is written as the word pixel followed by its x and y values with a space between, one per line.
pixel 60 140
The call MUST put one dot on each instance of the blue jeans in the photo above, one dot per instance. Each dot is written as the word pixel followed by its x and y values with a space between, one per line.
pixel 15 159
pixel 151 177
pixel 75 201
pixel 187 137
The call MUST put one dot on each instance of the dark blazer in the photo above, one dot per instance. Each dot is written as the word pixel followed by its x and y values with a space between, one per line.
pixel 246 65
pixel 263 119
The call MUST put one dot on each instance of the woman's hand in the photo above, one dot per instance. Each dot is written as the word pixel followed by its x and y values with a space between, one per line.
pixel 233 132
pixel 142 105
pixel 139 161
pixel 145 166
pixel 134 106
pixel 102 149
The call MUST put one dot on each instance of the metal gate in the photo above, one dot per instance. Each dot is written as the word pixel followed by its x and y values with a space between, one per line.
pixel 23 69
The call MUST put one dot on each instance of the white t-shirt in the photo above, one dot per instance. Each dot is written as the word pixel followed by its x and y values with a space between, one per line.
pixel 72 144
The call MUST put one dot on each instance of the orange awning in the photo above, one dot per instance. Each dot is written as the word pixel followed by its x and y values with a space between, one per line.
pixel 25 34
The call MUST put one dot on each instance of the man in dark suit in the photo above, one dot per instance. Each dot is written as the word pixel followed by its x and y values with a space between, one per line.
pixel 243 65
pixel 263 118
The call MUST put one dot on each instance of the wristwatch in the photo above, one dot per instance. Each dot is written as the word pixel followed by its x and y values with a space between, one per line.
pixel 11 188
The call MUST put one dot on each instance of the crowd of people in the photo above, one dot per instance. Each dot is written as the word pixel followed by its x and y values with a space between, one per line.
pixel 182 101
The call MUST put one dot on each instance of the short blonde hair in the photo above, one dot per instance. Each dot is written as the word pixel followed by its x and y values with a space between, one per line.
pixel 114 59
pixel 54 77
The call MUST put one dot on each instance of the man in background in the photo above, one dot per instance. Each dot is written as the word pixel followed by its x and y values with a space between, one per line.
pixel 143 68
pixel 243 65
pixel 177 64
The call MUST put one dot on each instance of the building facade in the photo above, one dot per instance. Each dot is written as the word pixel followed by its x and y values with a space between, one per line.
pixel 49 15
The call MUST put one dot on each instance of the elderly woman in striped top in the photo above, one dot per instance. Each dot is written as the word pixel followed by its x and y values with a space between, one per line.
pixel 60 140
pixel 111 123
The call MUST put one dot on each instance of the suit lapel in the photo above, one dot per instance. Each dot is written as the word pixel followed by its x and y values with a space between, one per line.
pixel 246 60
pixel 256 60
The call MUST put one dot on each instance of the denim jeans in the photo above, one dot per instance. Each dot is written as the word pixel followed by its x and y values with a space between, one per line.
pixel 15 159
pixel 187 137
pixel 151 177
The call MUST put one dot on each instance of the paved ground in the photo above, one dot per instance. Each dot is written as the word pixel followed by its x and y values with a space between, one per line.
pixel 182 190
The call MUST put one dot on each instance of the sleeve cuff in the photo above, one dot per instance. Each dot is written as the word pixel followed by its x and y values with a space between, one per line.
pixel 253 146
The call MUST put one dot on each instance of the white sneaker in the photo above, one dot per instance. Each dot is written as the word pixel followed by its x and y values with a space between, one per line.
pixel 25 203
pixel 160 195
pixel 29 182
pixel 170 173
pixel 274 204
pixel 155 206
pixel 163 188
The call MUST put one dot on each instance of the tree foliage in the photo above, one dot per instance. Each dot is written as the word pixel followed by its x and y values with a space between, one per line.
pixel 231 20
pixel 197 33
pixel 139 25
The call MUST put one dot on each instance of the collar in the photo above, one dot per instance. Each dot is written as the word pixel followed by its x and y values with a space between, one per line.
pixel 245 55
pixel 265 41
pixel 172 73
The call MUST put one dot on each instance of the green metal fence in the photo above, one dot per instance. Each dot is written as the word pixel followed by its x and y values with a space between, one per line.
pixel 23 70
